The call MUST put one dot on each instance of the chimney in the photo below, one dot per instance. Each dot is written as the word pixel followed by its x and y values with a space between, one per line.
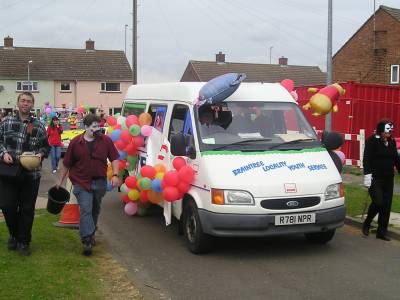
pixel 89 45
pixel 283 61
pixel 8 42
pixel 220 58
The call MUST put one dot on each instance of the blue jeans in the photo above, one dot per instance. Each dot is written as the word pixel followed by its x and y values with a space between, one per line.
pixel 55 153
pixel 89 203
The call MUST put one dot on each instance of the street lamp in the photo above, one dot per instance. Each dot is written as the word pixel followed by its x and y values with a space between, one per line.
pixel 126 26
pixel 29 79
pixel 270 54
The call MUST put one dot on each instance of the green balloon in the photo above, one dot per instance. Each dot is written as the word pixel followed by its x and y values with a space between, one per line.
pixel 131 167
pixel 141 211
pixel 145 183
pixel 134 130
pixel 132 160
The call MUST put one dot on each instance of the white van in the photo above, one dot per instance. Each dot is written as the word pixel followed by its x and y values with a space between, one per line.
pixel 260 168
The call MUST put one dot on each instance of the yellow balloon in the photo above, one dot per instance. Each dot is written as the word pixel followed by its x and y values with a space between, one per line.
pixel 160 175
pixel 133 195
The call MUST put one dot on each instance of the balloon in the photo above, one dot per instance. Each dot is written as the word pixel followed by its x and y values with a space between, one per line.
pixel 183 187
pixel 146 130
pixel 132 160
pixel 341 156
pixel 109 130
pixel 81 110
pixel 115 135
pixel 120 145
pixel 130 208
pixel 154 197
pixel 117 127
pixel 171 178
pixel 160 168
pixel 121 120
pixel 124 188
pixel 178 162
pixel 111 121
pixel 131 120
pixel 163 184
pixel 121 165
pixel 125 136
pixel 143 196
pixel 144 119
pixel 134 130
pixel 171 193
pixel 109 186
pixel 122 154
pixel 141 211
pixel 144 183
pixel 186 174
pixel 156 185
pixel 53 114
pixel 47 110
pixel 138 141
pixel 130 182
pixel 130 149
pixel 125 198
pixel 133 195
pixel 148 171
pixel 160 175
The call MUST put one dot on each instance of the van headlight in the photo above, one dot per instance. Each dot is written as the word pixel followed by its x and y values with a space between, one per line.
pixel 231 197
pixel 334 191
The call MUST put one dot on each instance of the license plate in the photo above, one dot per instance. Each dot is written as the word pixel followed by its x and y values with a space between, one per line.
pixel 294 219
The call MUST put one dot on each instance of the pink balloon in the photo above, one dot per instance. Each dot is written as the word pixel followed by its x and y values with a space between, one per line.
pixel 48 110
pixel 125 136
pixel 341 156
pixel 131 120
pixel 130 208
pixel 146 130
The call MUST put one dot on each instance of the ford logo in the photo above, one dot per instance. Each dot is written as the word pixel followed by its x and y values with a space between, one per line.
pixel 292 203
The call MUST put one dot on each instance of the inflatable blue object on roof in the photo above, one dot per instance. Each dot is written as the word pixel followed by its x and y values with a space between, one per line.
pixel 219 88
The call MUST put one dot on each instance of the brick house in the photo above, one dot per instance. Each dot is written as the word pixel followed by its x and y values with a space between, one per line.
pixel 301 75
pixel 372 54
pixel 70 77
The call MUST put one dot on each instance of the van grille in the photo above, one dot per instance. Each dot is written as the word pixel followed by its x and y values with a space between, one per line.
pixel 290 203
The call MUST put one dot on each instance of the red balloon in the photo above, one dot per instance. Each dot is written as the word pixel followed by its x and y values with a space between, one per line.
pixel 125 198
pixel 178 162
pixel 111 120
pixel 121 164
pixel 125 136
pixel 120 145
pixel 171 178
pixel 131 149
pixel 186 174
pixel 171 194
pixel 117 126
pixel 163 184
pixel 138 141
pixel 143 196
pixel 183 187
pixel 130 182
pixel 131 120
pixel 148 171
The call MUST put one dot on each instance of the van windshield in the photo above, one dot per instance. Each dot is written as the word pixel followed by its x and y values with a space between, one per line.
pixel 253 126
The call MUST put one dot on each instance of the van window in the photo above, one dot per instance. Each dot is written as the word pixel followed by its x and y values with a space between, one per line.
pixel 181 121
pixel 133 108
pixel 158 113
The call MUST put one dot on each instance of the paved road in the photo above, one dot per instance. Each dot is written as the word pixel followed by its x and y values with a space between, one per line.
pixel 350 267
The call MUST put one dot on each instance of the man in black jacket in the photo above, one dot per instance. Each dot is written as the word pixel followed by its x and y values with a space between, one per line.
pixel 380 158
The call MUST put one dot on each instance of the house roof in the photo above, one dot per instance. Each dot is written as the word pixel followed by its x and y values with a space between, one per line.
pixel 63 64
pixel 301 75
pixel 394 12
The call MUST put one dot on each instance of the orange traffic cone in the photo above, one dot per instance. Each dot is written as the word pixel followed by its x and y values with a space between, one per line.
pixel 70 212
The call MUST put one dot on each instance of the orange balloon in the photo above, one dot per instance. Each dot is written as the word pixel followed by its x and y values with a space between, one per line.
pixel 145 119
pixel 154 197
pixel 160 168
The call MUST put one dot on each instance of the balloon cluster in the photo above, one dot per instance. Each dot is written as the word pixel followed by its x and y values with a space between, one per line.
pixel 155 184
pixel 48 109
pixel 83 109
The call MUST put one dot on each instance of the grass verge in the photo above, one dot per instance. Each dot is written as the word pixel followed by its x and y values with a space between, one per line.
pixel 57 269
pixel 358 200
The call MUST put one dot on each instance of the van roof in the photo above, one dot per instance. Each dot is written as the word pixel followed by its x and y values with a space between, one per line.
pixel 189 91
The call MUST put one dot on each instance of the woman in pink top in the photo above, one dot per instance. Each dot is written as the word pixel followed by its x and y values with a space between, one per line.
pixel 54 133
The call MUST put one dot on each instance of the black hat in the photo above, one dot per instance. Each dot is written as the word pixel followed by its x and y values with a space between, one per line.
pixel 384 126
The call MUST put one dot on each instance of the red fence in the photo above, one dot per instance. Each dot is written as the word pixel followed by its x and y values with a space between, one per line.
pixel 362 106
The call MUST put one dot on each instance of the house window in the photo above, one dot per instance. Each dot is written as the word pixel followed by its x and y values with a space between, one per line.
pixel 394 74
pixel 110 87
pixel 65 87
pixel 27 86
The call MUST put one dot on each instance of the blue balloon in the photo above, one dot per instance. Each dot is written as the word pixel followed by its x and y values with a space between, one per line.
pixel 156 185
pixel 122 155
pixel 53 114
pixel 109 186
pixel 115 134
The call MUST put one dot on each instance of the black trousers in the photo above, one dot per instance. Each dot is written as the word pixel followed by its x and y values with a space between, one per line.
pixel 19 207
pixel 381 192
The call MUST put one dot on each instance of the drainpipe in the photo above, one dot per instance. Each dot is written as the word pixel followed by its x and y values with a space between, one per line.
pixel 76 93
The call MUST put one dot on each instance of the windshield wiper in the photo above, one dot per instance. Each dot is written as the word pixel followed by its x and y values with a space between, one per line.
pixel 291 142
pixel 244 142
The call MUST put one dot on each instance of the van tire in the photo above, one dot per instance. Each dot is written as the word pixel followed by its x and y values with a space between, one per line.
pixel 196 240
pixel 320 237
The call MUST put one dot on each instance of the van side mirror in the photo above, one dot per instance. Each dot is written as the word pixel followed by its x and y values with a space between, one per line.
pixel 181 146
pixel 331 140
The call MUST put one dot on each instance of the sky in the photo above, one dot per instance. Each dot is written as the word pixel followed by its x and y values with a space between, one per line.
pixel 170 33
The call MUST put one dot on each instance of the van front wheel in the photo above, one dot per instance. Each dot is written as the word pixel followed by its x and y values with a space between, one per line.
pixel 320 237
pixel 196 240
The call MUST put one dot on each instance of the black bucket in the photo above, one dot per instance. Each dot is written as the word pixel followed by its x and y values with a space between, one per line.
pixel 56 199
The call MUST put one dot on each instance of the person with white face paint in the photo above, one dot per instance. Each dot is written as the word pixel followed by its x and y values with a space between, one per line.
pixel 85 162
pixel 380 158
